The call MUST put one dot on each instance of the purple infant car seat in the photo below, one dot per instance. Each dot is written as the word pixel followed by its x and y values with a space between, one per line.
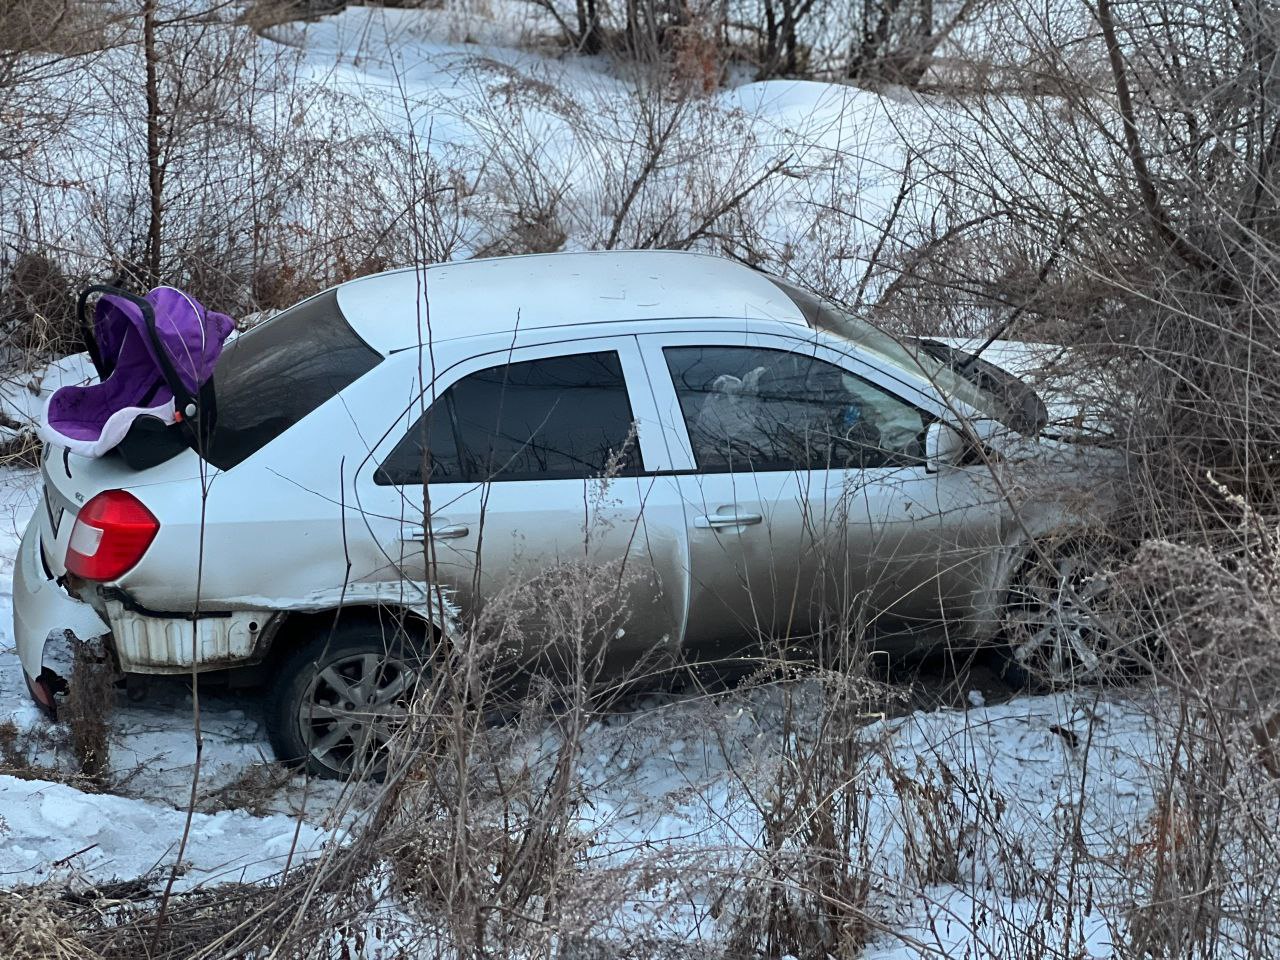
pixel 155 358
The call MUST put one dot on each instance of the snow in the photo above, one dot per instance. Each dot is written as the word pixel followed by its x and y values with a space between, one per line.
pixel 674 780
pixel 55 832
pixel 1014 779
pixel 668 780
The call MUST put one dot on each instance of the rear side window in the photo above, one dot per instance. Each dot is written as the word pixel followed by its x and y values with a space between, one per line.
pixel 553 419
pixel 271 377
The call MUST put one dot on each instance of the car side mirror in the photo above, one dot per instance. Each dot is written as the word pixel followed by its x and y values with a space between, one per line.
pixel 944 446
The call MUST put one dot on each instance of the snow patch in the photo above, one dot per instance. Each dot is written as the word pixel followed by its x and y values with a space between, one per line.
pixel 53 831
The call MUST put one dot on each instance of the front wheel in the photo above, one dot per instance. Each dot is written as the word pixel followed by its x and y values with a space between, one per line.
pixel 337 702
pixel 1056 625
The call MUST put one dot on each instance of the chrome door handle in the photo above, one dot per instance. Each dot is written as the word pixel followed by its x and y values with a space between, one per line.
pixel 449 531
pixel 727 520
pixel 444 531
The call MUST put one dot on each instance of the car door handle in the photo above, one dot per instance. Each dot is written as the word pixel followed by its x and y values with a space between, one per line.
pixel 443 531
pixel 727 520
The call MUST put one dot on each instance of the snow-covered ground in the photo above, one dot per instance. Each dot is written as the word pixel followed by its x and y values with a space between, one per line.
pixel 674 779
pixel 687 778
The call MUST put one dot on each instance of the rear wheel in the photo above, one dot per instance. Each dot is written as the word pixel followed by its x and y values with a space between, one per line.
pixel 338 701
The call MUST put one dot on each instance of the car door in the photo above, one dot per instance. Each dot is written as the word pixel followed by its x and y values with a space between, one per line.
pixel 541 513
pixel 746 488
pixel 810 505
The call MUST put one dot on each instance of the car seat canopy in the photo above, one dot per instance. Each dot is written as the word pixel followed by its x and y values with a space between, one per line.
pixel 144 357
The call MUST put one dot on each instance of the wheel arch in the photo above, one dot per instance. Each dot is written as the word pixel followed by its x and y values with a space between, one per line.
pixel 296 627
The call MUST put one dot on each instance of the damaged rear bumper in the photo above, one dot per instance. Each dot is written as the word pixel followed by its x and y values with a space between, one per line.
pixel 40 608
pixel 158 643
pixel 143 643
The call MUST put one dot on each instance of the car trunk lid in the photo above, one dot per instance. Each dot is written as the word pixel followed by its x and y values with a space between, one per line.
pixel 70 481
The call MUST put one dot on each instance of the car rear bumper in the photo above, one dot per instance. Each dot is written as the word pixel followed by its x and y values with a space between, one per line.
pixel 42 607
pixel 150 643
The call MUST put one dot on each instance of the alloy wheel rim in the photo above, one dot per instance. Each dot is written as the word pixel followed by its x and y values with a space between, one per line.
pixel 353 708
pixel 1053 626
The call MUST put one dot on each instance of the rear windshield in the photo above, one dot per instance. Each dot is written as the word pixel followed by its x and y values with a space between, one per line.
pixel 278 372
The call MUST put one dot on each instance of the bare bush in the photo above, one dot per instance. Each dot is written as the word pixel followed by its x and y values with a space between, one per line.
pixel 813 887
pixel 31 927
pixel 87 708
pixel 218 173
pixel 1149 204
pixel 875 42
pixel 895 41
pixel 37 311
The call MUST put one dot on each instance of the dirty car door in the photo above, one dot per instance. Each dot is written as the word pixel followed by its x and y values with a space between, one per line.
pixel 752 535
pixel 811 507
pixel 537 515
pixel 907 551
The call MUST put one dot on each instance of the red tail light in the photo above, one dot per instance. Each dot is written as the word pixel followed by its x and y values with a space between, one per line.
pixel 111 534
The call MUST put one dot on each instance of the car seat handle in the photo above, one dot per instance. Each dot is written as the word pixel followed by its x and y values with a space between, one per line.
pixel 86 328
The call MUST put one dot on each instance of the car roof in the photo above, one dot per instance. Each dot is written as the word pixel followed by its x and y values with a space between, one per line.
pixel 472 298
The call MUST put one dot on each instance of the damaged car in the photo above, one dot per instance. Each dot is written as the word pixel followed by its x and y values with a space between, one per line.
pixel 402 447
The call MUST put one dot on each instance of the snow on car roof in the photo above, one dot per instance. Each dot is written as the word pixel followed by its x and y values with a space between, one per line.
pixel 473 298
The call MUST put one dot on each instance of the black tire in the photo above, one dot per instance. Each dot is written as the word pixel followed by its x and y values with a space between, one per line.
pixel 336 699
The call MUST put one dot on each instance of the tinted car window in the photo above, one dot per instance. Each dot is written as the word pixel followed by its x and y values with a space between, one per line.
pixel 551 419
pixel 756 409
pixel 278 372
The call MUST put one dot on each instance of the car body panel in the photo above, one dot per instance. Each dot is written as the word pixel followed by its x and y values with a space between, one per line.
pixel 891 549
pixel 145 643
pixel 70 481
pixel 42 607
pixel 301 524
pixel 752 580
pixel 502 533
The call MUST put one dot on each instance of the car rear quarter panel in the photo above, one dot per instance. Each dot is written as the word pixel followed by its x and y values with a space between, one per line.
pixel 285 527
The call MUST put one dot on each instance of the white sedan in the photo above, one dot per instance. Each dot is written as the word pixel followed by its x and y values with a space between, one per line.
pixel 405 447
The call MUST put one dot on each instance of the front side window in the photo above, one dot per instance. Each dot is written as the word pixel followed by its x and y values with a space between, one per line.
pixel 751 409
pixel 552 419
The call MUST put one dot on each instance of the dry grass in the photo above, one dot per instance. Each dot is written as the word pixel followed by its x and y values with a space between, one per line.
pixel 86 710
pixel 83 737
pixel 16 755
pixel 255 789
pixel 812 880
pixel 121 921
pixel 33 928
pixel 22 449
